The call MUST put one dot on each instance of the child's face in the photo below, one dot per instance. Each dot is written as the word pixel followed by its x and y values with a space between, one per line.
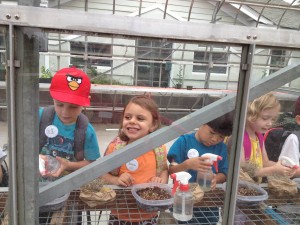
pixel 207 136
pixel 264 120
pixel 67 112
pixel 137 122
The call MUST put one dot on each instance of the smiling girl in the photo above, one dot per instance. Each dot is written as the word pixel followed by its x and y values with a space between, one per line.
pixel 140 118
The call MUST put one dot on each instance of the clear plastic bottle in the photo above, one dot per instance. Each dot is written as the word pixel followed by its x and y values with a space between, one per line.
pixel 183 201
pixel 48 164
pixel 51 164
pixel 204 180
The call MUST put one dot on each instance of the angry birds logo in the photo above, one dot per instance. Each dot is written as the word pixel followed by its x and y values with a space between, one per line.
pixel 73 82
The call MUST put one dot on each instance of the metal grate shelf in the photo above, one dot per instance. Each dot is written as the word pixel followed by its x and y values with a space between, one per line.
pixel 273 211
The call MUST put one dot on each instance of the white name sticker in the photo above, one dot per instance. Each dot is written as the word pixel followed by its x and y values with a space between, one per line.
pixel 133 165
pixel 51 131
pixel 192 153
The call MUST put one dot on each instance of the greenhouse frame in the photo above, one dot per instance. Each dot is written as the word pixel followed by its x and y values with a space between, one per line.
pixel 223 53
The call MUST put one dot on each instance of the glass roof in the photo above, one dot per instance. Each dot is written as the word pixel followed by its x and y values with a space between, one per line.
pixel 272 13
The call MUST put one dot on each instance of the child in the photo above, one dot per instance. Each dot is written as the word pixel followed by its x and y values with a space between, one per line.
pixel 184 156
pixel 140 117
pixel 70 90
pixel 285 141
pixel 261 114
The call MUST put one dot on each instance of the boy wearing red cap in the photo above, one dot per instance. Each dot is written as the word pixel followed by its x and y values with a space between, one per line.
pixel 70 90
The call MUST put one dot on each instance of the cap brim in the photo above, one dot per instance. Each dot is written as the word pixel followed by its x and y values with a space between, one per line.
pixel 70 98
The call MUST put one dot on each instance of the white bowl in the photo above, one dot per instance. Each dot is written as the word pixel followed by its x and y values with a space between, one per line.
pixel 54 205
pixel 250 200
pixel 152 205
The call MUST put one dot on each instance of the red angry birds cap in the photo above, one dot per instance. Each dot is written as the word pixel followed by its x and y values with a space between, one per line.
pixel 71 85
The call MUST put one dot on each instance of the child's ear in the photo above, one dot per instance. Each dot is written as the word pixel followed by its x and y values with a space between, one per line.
pixel 297 119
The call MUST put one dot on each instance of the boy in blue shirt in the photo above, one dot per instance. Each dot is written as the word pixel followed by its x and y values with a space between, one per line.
pixel 185 155
pixel 70 90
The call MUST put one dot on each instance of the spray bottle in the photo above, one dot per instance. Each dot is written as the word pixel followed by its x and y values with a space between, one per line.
pixel 286 161
pixel 204 179
pixel 183 198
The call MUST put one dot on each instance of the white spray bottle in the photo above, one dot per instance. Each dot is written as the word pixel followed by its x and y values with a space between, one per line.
pixel 288 162
pixel 204 179
pixel 183 198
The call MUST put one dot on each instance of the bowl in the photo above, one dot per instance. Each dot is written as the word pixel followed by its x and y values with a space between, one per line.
pixel 54 205
pixel 152 205
pixel 250 200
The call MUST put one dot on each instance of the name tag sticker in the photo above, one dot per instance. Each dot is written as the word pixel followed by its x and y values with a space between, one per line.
pixel 133 165
pixel 51 131
pixel 192 153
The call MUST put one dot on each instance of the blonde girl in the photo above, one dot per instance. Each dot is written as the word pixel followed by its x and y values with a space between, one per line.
pixel 261 114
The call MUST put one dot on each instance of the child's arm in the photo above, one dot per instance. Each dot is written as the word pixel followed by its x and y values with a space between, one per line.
pixel 272 168
pixel 163 175
pixel 163 178
pixel 125 179
pixel 218 179
pixel 66 165
pixel 276 169
pixel 199 164
pixel 265 158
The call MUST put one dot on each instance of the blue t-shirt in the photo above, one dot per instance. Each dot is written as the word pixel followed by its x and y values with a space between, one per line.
pixel 179 150
pixel 62 144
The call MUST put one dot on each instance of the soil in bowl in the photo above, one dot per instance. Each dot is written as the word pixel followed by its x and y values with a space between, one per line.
pixel 153 193
pixel 246 191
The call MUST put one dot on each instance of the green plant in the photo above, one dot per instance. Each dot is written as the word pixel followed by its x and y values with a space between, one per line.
pixel 45 73
pixel 179 76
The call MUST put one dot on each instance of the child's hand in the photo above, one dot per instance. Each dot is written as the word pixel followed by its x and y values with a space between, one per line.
pixel 199 163
pixel 125 180
pixel 213 183
pixel 156 180
pixel 284 170
pixel 63 166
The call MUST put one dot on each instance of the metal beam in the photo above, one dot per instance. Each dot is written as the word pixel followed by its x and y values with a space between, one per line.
pixel 237 135
pixel 67 20
pixel 82 176
pixel 23 126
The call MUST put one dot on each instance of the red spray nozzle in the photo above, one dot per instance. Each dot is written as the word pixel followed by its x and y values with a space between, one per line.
pixel 213 158
pixel 176 183
pixel 181 178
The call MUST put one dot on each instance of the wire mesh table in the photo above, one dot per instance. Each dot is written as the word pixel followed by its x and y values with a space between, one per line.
pixel 275 210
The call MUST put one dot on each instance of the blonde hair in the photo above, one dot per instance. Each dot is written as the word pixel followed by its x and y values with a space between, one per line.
pixel 264 102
